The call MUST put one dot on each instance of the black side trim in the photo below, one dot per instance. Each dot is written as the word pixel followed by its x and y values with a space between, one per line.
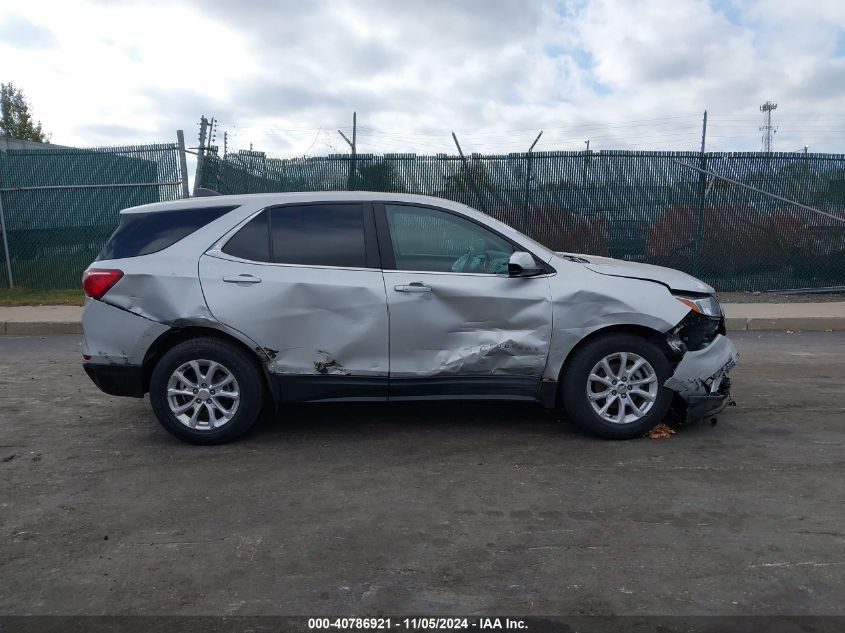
pixel 117 380
pixel 454 386
pixel 316 388
pixel 329 387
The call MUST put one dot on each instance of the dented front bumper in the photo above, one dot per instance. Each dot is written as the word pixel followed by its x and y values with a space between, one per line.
pixel 701 378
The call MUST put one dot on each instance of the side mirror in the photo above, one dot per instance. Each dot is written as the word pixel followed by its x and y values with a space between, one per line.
pixel 522 264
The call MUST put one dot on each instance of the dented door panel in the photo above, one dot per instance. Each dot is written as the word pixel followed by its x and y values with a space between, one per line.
pixel 311 320
pixel 467 325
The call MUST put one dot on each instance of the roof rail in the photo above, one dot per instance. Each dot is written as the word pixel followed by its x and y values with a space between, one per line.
pixel 202 192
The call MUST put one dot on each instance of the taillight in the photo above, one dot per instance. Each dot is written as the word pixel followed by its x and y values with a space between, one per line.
pixel 98 281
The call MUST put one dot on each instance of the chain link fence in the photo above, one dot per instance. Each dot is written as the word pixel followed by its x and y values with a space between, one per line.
pixel 61 205
pixel 654 207
pixel 658 207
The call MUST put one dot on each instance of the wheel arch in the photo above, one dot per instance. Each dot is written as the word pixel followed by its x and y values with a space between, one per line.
pixel 655 336
pixel 176 335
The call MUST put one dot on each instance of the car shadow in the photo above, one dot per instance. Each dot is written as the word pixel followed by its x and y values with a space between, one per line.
pixel 362 419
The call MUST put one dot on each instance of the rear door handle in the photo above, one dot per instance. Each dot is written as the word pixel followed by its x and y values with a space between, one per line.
pixel 414 286
pixel 242 279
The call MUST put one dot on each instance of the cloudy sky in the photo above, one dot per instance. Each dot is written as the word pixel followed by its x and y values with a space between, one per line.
pixel 285 75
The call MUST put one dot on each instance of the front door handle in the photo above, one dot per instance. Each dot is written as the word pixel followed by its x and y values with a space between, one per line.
pixel 244 278
pixel 414 286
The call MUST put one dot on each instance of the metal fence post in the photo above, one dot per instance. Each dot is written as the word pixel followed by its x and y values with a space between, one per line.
pixel 183 163
pixel 528 184
pixel 702 194
pixel 6 243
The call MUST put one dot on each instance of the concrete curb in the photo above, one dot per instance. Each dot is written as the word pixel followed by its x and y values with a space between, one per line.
pixel 793 324
pixel 733 324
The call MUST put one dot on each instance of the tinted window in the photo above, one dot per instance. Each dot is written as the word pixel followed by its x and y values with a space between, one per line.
pixel 252 241
pixel 318 235
pixel 145 233
pixel 430 240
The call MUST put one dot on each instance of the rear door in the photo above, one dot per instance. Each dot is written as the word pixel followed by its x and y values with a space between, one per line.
pixel 459 325
pixel 304 282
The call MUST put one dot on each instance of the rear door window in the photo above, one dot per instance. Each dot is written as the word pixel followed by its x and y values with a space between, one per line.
pixel 251 242
pixel 319 235
pixel 145 233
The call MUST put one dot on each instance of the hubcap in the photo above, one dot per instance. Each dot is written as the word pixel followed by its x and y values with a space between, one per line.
pixel 203 394
pixel 622 387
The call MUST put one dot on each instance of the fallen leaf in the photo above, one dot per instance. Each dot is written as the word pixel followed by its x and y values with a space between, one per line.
pixel 661 432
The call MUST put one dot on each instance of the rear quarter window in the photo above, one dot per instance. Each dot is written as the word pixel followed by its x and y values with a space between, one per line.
pixel 145 233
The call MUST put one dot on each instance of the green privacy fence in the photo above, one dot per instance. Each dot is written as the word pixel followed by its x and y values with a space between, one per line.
pixel 60 205
pixel 652 207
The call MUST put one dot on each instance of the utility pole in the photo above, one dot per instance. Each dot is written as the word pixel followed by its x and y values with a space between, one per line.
pixel 200 152
pixel 704 132
pixel 767 127
pixel 183 163
pixel 353 148
pixel 212 132
pixel 529 160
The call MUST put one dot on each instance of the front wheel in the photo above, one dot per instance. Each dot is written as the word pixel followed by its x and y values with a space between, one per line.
pixel 613 386
pixel 206 391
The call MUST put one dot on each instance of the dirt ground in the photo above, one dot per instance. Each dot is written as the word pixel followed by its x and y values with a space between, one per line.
pixel 424 508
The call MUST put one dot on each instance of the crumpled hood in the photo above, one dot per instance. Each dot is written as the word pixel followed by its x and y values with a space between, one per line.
pixel 675 279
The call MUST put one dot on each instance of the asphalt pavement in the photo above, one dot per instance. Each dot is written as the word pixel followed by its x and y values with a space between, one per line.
pixel 447 508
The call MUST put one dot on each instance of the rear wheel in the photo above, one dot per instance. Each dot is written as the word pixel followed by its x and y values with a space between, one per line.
pixel 613 386
pixel 206 391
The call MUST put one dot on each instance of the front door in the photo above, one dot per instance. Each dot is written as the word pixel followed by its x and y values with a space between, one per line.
pixel 459 326
pixel 304 283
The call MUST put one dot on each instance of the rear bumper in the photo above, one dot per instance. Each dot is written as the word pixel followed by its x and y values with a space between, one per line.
pixel 117 380
pixel 701 378
pixel 114 336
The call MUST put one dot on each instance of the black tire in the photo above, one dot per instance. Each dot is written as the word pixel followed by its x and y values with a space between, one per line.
pixel 245 371
pixel 577 372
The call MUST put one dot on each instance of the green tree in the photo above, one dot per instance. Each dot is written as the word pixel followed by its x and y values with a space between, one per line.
pixel 15 116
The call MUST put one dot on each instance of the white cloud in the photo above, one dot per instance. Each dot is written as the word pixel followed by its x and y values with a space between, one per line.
pixel 285 75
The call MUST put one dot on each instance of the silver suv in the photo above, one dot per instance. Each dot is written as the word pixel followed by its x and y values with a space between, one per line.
pixel 215 305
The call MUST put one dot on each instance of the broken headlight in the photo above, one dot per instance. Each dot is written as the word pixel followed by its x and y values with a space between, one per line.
pixel 701 325
pixel 707 305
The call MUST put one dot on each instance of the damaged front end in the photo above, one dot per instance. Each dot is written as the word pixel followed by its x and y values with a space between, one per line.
pixel 704 356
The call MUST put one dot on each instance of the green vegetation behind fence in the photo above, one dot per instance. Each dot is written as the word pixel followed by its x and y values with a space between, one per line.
pixel 61 205
pixel 638 206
